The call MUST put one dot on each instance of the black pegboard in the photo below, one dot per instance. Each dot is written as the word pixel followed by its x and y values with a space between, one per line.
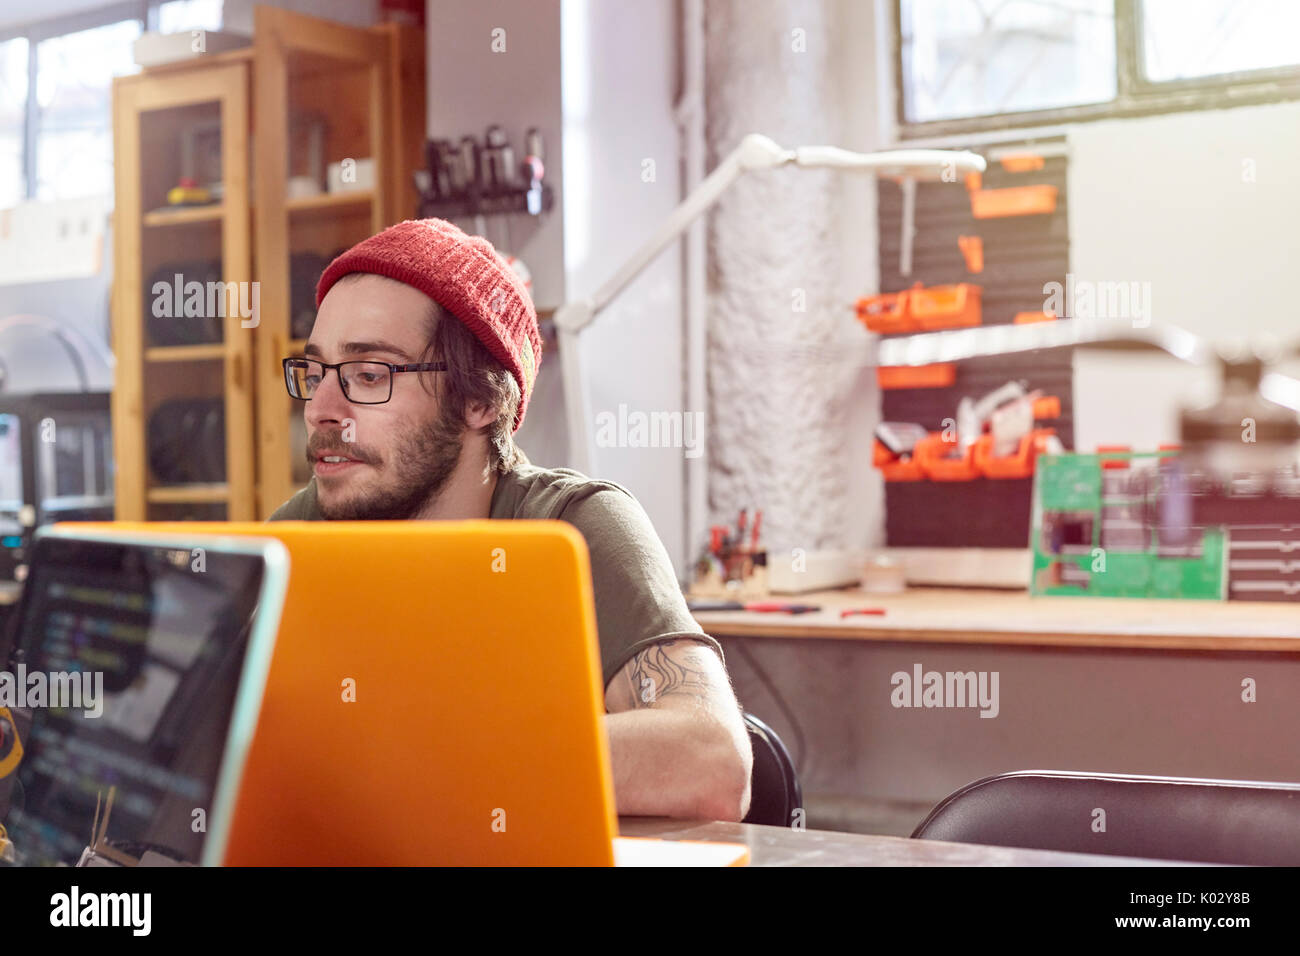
pixel 1021 255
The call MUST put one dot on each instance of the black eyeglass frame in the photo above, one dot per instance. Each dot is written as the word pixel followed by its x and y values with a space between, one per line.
pixel 325 367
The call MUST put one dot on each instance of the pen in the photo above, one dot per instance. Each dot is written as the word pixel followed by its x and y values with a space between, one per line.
pixel 850 611
pixel 763 607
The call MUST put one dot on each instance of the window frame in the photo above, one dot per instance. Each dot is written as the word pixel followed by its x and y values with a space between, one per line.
pixel 145 12
pixel 1135 95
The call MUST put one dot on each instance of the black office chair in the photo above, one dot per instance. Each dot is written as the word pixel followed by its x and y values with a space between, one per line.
pixel 1241 822
pixel 774 788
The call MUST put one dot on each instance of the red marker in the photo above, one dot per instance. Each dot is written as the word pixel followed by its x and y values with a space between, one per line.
pixel 770 607
pixel 850 611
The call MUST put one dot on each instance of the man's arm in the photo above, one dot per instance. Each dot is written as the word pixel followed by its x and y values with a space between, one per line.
pixel 677 741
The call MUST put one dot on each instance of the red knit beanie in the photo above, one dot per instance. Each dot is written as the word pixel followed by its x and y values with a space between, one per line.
pixel 465 276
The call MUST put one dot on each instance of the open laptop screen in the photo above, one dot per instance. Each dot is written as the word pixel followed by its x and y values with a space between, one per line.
pixel 139 650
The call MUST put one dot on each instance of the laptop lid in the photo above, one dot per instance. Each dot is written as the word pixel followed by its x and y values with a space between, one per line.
pixel 139 666
pixel 435 698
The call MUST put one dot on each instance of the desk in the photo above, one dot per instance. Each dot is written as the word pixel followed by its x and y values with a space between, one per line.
pixel 987 616
pixel 1093 684
pixel 781 846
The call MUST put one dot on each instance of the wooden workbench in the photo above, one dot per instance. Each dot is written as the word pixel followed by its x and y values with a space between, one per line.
pixel 987 616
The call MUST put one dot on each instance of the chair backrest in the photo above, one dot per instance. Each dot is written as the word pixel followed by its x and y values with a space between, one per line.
pixel 1241 822
pixel 775 793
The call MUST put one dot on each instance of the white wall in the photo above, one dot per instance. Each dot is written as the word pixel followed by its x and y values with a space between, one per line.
pixel 620 79
pixel 470 86
pixel 865 88
pixel 1168 200
pixel 598 79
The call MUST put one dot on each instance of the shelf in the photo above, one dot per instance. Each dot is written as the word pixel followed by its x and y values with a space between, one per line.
pixel 76 502
pixel 323 204
pixel 184 215
pixel 327 203
pixel 189 494
pixel 185 353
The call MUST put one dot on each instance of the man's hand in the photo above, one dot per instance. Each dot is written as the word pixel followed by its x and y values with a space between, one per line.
pixel 677 741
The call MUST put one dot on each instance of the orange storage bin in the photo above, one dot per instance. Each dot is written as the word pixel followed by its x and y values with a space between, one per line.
pixel 886 314
pixel 1020 464
pixel 972 250
pixel 1049 406
pixel 940 375
pixel 945 306
pixel 1022 162
pixel 893 468
pixel 935 457
pixel 1114 464
pixel 1013 201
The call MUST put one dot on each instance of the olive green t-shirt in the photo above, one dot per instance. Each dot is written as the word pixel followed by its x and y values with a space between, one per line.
pixel 638 601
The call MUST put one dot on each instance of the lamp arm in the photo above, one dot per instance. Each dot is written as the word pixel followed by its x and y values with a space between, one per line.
pixel 679 220
pixel 755 151
pixel 760 152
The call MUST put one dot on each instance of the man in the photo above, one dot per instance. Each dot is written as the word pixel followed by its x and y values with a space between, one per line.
pixel 447 346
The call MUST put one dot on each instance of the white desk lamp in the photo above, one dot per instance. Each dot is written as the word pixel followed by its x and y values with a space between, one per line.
pixel 754 152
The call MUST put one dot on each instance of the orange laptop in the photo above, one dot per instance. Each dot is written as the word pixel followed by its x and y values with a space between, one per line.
pixel 434 698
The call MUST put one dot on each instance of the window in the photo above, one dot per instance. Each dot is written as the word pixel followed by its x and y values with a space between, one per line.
pixel 74 142
pixel 1199 38
pixel 13 99
pixel 974 57
pixel 964 65
pixel 56 133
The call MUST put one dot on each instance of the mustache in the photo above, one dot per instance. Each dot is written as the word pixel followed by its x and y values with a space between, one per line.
pixel 320 449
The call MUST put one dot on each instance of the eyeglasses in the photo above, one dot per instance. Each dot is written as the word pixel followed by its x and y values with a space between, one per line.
pixel 364 383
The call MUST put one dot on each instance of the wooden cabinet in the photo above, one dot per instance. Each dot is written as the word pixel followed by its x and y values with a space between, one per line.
pixel 170 346
pixel 307 94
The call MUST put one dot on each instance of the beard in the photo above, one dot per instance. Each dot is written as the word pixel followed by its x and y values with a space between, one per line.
pixel 422 463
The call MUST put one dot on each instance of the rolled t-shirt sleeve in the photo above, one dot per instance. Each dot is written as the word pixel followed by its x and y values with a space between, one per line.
pixel 638 601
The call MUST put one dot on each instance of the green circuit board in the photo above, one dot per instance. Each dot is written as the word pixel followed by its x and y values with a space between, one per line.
pixel 1095 532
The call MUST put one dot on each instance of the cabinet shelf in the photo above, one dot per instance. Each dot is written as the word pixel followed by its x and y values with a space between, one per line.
pixel 183 215
pixel 328 204
pixel 189 494
pixel 185 353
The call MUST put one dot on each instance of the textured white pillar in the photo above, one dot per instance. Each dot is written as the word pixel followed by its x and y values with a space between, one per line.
pixel 781 377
